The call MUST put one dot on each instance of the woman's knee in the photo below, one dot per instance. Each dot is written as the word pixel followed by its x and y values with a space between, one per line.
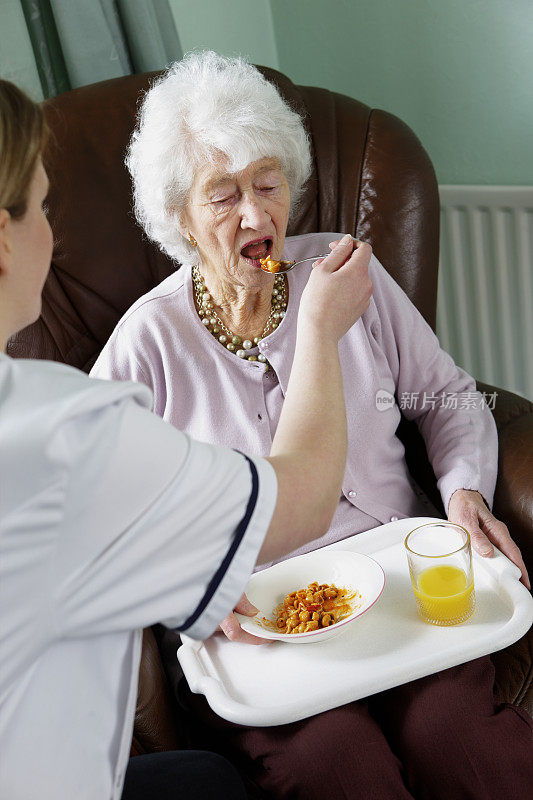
pixel 445 707
pixel 341 753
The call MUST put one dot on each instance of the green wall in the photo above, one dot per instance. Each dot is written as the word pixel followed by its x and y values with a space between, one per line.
pixel 230 27
pixel 459 72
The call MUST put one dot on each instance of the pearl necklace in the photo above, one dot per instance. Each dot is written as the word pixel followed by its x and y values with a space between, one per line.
pixel 236 344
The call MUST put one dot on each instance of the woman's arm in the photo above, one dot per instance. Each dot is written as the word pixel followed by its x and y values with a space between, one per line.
pixel 309 448
pixel 457 426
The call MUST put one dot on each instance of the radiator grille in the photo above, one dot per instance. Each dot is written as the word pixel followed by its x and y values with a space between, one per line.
pixel 485 296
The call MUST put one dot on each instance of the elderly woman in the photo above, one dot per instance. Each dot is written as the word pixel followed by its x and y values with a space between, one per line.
pixel 218 163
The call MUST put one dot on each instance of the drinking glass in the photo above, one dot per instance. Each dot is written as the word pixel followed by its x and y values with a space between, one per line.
pixel 440 564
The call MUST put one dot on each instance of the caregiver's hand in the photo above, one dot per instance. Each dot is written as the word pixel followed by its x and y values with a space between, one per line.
pixel 339 289
pixel 468 509
pixel 231 626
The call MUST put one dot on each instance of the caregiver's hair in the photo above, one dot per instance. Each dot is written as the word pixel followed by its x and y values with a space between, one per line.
pixel 204 106
pixel 23 136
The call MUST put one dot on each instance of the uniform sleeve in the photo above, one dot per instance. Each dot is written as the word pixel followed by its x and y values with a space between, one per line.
pixel 157 527
pixel 458 428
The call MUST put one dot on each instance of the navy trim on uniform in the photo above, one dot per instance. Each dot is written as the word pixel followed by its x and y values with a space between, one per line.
pixel 223 568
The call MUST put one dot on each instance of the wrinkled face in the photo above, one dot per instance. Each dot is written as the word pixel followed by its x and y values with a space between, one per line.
pixel 31 248
pixel 238 219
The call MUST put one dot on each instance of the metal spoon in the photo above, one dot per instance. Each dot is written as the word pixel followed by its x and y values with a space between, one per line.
pixel 286 266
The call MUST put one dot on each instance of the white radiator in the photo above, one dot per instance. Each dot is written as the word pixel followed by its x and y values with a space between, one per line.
pixel 485 295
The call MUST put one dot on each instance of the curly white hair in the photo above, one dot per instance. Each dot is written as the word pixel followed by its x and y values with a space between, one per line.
pixel 203 106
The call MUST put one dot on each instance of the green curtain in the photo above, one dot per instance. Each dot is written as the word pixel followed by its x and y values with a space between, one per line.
pixel 76 42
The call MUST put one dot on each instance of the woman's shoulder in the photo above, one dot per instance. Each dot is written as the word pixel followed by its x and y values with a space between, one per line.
pixel 309 244
pixel 170 293
pixel 148 331
pixel 316 244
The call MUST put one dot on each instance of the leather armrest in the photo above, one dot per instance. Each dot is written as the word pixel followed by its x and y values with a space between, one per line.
pixel 156 725
pixel 513 500
pixel 508 406
pixel 514 673
pixel 513 503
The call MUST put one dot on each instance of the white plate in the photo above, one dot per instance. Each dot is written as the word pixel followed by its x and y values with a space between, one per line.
pixel 345 569
pixel 389 646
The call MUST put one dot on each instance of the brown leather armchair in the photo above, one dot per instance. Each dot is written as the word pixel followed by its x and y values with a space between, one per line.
pixel 371 177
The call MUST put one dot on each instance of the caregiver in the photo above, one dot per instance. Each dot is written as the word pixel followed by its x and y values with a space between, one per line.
pixel 101 531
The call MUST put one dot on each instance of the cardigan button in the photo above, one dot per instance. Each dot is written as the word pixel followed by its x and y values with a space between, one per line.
pixel 394 519
pixel 352 493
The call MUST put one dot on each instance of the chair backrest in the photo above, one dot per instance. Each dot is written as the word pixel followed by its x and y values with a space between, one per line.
pixel 371 177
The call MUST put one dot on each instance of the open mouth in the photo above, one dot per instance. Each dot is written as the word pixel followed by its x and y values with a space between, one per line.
pixel 254 251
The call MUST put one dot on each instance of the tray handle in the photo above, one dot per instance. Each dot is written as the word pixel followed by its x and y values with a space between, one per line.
pixel 507 576
pixel 499 566
pixel 193 668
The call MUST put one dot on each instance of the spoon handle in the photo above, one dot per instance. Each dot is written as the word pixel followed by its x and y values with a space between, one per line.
pixel 311 258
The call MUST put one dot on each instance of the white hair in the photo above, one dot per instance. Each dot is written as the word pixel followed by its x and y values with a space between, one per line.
pixel 204 106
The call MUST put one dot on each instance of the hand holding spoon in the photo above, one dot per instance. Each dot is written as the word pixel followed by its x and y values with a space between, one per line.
pixel 270 264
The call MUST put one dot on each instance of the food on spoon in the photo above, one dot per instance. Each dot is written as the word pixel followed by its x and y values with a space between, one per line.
pixel 270 264
pixel 316 607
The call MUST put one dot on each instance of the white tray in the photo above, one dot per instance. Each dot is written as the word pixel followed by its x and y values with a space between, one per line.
pixel 279 683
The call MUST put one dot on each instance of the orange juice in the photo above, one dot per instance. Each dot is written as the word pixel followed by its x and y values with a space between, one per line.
pixel 444 596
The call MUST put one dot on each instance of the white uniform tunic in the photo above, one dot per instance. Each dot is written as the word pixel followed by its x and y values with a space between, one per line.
pixel 110 520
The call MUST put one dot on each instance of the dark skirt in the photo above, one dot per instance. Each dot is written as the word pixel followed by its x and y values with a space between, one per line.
pixel 444 737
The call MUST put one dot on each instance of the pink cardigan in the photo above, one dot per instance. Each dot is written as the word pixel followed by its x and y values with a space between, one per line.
pixel 390 358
